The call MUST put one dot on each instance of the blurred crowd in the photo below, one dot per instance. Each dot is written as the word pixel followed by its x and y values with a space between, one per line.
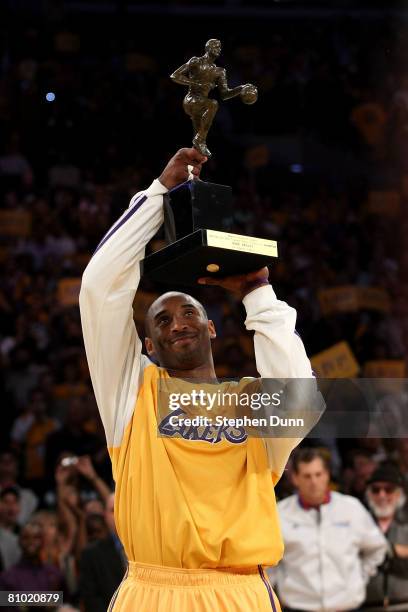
pixel 319 164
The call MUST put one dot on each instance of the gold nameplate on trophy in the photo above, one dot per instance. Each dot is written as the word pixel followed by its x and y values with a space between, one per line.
pixel 208 252
pixel 238 242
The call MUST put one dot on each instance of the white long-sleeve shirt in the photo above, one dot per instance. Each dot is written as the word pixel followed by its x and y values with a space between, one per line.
pixel 330 554
pixel 113 347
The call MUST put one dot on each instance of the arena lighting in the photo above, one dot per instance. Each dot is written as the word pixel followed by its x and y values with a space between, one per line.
pixel 50 96
pixel 296 168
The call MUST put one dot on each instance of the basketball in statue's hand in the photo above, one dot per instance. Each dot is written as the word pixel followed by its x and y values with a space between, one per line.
pixel 249 94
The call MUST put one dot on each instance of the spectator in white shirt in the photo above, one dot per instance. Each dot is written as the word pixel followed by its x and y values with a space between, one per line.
pixel 332 544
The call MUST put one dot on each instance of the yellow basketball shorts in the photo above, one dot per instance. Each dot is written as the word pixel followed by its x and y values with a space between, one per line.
pixel 151 588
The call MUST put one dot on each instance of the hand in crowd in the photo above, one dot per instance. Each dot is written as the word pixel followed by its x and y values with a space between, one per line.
pixel 62 474
pixel 85 468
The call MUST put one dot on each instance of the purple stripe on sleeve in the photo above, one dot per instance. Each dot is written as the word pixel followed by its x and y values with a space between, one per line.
pixel 268 586
pixel 117 222
pixel 131 212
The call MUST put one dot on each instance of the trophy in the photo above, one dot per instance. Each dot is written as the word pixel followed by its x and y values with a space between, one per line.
pixel 197 214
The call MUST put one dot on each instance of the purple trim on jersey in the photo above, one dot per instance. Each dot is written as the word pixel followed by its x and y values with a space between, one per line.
pixel 268 586
pixel 134 208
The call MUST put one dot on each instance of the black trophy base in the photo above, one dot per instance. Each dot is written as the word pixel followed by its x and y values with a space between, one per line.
pixel 208 253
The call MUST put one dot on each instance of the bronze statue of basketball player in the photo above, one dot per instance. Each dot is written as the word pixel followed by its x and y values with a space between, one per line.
pixel 201 75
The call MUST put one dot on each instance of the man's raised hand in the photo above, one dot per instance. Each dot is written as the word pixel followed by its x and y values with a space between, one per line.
pixel 239 284
pixel 177 171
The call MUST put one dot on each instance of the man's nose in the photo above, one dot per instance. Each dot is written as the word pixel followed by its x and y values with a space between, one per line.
pixel 178 323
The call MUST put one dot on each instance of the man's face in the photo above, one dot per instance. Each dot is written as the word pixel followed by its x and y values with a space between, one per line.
pixel 10 508
pixel 384 498
pixel 214 48
pixel 312 481
pixel 179 333
pixel 31 540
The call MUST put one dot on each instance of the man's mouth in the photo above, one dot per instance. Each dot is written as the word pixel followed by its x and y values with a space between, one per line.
pixel 184 338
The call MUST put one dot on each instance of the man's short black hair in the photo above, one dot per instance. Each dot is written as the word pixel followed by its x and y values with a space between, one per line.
pixel 307 455
pixel 149 310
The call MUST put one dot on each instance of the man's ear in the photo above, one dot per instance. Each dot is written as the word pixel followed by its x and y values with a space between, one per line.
pixel 149 347
pixel 211 329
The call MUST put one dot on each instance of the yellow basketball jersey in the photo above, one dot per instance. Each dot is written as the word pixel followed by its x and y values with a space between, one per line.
pixel 192 503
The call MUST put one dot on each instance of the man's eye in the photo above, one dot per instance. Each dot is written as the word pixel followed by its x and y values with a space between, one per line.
pixel 189 312
pixel 163 320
